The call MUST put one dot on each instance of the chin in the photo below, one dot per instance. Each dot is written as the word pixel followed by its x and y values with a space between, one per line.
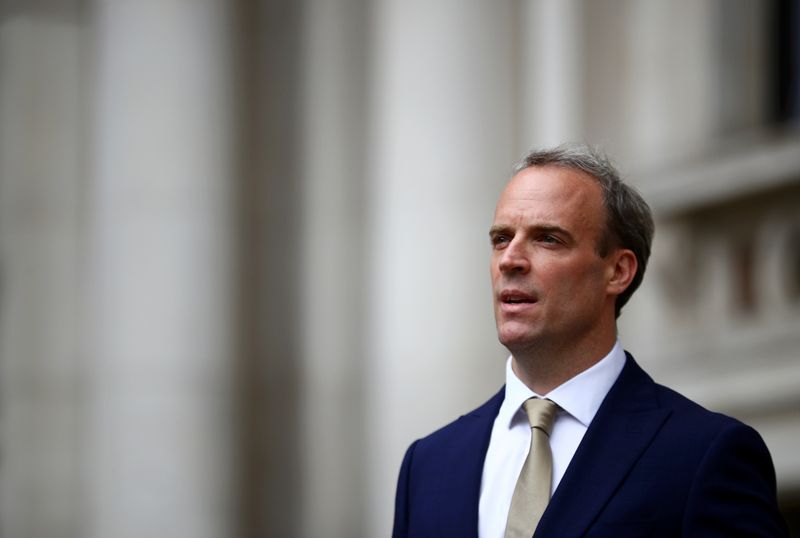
pixel 515 339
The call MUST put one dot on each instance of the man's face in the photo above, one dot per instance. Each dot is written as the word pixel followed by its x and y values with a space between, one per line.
pixel 549 283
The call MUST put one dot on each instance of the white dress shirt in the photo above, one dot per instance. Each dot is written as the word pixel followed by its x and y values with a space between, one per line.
pixel 579 398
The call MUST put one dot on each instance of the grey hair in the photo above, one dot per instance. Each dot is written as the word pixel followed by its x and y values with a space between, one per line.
pixel 629 221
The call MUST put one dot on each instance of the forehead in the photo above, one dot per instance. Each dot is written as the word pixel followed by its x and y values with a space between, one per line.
pixel 552 193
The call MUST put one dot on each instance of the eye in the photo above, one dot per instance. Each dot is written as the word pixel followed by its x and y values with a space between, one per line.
pixel 549 239
pixel 499 240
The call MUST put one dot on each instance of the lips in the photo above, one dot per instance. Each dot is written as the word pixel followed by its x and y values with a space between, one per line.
pixel 516 297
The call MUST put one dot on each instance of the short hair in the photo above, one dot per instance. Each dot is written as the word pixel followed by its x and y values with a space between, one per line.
pixel 629 221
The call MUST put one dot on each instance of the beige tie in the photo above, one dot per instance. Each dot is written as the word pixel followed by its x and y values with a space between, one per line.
pixel 532 492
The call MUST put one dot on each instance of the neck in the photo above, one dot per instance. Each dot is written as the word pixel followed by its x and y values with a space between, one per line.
pixel 547 366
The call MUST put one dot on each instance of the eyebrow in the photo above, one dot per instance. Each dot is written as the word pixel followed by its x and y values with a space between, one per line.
pixel 537 228
pixel 494 230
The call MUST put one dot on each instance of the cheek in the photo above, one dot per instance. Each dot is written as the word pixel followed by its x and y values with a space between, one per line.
pixel 494 272
pixel 577 278
pixel 594 283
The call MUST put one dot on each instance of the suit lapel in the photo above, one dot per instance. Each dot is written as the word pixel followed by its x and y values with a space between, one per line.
pixel 623 427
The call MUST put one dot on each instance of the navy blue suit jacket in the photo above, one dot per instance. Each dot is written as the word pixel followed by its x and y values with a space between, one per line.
pixel 652 463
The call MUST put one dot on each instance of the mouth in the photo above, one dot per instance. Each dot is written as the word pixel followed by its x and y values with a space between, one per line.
pixel 513 300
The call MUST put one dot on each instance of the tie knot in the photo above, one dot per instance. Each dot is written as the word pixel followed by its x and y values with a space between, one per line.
pixel 541 413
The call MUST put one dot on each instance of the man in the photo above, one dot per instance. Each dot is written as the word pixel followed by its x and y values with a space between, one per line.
pixel 580 441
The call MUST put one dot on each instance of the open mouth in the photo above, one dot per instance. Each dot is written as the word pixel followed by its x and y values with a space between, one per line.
pixel 514 297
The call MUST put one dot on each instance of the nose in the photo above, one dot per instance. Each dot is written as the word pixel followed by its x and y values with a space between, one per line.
pixel 514 258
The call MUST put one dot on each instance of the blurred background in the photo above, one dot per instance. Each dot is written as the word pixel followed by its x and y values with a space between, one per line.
pixel 244 254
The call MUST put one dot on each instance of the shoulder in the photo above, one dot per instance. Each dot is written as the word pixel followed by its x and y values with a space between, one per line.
pixel 440 475
pixel 698 428
pixel 730 486
pixel 686 433
pixel 637 391
pixel 719 436
pixel 468 429
pixel 483 413
pixel 692 413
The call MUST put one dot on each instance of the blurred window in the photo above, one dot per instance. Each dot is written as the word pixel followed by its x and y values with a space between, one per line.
pixel 744 280
pixel 793 261
pixel 786 25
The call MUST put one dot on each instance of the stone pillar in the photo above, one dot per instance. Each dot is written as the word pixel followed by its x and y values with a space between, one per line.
pixel 42 252
pixel 441 146
pixel 334 251
pixel 159 443
pixel 668 92
pixel 550 78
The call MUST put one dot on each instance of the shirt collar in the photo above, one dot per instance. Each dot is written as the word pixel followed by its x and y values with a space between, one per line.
pixel 579 396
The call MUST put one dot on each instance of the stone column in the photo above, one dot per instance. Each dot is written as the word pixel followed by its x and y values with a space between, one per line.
pixel 668 91
pixel 334 252
pixel 159 443
pixel 550 78
pixel 441 145
pixel 42 252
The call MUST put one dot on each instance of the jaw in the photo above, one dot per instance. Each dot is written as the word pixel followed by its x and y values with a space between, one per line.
pixel 515 333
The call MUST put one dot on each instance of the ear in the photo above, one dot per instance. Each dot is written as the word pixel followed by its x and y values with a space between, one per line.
pixel 621 270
